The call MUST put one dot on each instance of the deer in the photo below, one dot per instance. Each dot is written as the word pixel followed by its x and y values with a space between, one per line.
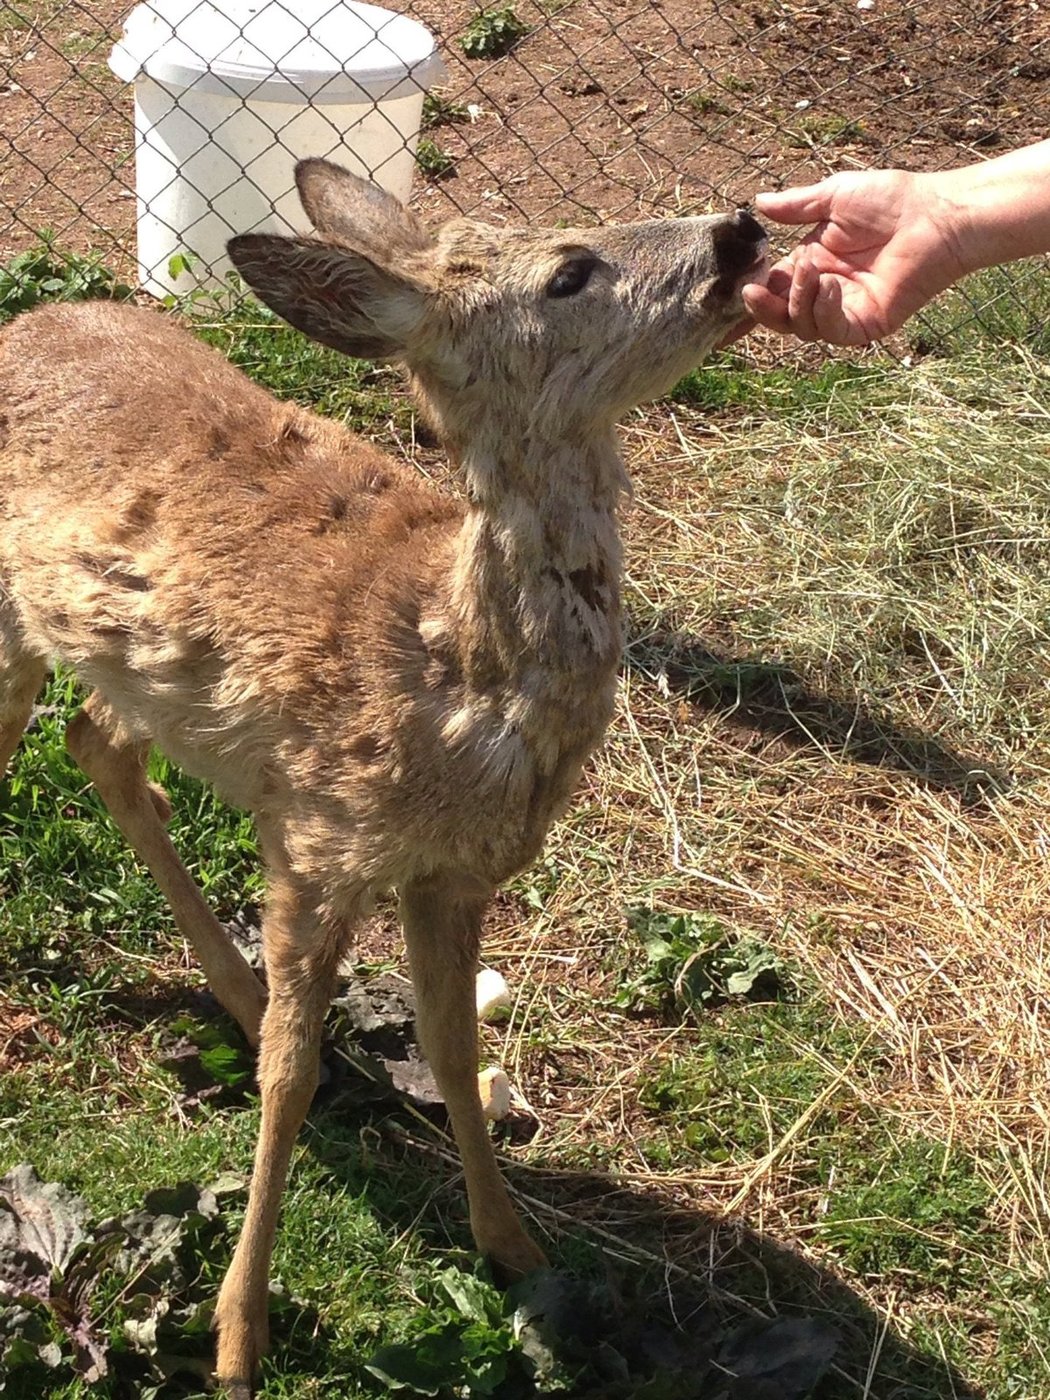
pixel 399 681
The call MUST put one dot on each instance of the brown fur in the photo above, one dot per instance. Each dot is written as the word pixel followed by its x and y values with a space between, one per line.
pixel 400 685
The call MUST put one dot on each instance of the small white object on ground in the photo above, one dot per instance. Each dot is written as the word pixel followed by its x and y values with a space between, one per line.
pixel 494 1088
pixel 493 995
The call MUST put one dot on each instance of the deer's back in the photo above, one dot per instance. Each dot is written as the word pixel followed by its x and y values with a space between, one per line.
pixel 228 570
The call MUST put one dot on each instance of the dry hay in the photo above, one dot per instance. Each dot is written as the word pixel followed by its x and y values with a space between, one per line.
pixel 835 737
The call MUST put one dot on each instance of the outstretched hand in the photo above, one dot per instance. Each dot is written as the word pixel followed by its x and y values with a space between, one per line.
pixel 881 249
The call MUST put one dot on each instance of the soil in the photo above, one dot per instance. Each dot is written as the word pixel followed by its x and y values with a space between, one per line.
pixel 604 109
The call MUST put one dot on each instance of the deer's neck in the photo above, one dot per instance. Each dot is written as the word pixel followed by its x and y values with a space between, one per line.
pixel 536 586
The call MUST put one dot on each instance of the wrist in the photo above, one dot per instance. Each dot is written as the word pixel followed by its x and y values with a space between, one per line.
pixel 946 199
pixel 998 210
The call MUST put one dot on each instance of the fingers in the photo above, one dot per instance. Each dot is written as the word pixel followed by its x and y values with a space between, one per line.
pixel 767 309
pixel 830 316
pixel 811 306
pixel 787 302
pixel 802 296
pixel 765 302
pixel 805 204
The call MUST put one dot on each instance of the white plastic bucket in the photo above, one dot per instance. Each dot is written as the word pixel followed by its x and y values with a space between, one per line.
pixel 226 102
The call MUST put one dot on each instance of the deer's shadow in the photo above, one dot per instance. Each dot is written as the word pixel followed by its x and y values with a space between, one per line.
pixel 771 698
pixel 674 1283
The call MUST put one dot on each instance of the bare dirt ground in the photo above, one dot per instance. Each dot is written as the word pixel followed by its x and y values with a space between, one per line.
pixel 605 109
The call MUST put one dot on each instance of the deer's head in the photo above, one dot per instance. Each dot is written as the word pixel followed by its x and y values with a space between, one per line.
pixel 525 331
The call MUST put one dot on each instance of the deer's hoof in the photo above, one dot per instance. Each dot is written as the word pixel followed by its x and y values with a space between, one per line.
pixel 513 1259
pixel 236 1390
pixel 243 1339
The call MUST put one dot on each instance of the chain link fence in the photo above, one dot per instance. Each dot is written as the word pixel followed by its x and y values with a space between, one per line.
pixel 546 110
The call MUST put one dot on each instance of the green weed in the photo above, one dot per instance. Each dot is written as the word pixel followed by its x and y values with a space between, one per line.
pixel 705 104
pixel 695 960
pixel 77 46
pixel 43 273
pixel 492 33
pixel 463 1343
pixel 432 160
pixel 825 129
pixel 439 110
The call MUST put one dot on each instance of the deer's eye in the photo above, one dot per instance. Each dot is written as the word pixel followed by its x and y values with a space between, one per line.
pixel 571 277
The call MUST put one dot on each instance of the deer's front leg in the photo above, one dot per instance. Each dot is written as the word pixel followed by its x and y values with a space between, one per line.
pixel 301 956
pixel 442 931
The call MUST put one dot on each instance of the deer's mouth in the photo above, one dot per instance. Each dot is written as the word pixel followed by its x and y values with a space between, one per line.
pixel 758 270
pixel 728 288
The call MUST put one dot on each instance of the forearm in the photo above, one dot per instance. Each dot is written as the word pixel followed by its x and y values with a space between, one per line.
pixel 997 210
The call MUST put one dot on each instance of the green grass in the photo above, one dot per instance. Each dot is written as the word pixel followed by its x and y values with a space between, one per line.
pixel 76 878
pixel 727 381
pixel 889 1204
pixel 14 18
pixel 342 1221
pixel 824 1093
pixel 292 367
pixel 1000 304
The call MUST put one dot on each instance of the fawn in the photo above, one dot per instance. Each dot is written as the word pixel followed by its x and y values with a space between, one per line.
pixel 400 685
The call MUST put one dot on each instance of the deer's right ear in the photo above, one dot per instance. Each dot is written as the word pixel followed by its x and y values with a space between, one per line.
pixel 334 295
pixel 356 211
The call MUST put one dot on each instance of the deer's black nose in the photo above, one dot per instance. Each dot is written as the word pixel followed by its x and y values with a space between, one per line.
pixel 739 242
pixel 749 225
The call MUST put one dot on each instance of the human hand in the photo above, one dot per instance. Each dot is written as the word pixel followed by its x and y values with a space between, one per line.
pixel 884 244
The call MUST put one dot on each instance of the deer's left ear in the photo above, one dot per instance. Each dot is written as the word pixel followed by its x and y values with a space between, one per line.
pixel 337 296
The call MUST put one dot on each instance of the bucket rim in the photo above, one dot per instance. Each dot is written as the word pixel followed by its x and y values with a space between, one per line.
pixel 167 41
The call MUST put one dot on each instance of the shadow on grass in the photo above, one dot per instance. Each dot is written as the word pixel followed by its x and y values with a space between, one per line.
pixel 771 699
pixel 672 1281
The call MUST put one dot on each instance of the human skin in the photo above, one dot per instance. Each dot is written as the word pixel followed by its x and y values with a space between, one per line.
pixel 886 242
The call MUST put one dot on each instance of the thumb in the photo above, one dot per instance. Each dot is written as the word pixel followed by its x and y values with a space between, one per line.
pixel 805 204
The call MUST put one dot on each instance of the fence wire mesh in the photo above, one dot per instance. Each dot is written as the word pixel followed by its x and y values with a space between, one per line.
pixel 571 110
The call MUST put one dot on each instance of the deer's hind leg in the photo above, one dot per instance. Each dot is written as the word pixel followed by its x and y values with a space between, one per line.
pixel 117 768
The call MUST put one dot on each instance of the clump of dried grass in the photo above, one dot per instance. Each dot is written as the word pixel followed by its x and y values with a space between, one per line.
pixel 875 584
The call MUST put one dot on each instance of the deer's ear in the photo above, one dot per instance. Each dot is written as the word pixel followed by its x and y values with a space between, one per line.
pixel 356 212
pixel 334 295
